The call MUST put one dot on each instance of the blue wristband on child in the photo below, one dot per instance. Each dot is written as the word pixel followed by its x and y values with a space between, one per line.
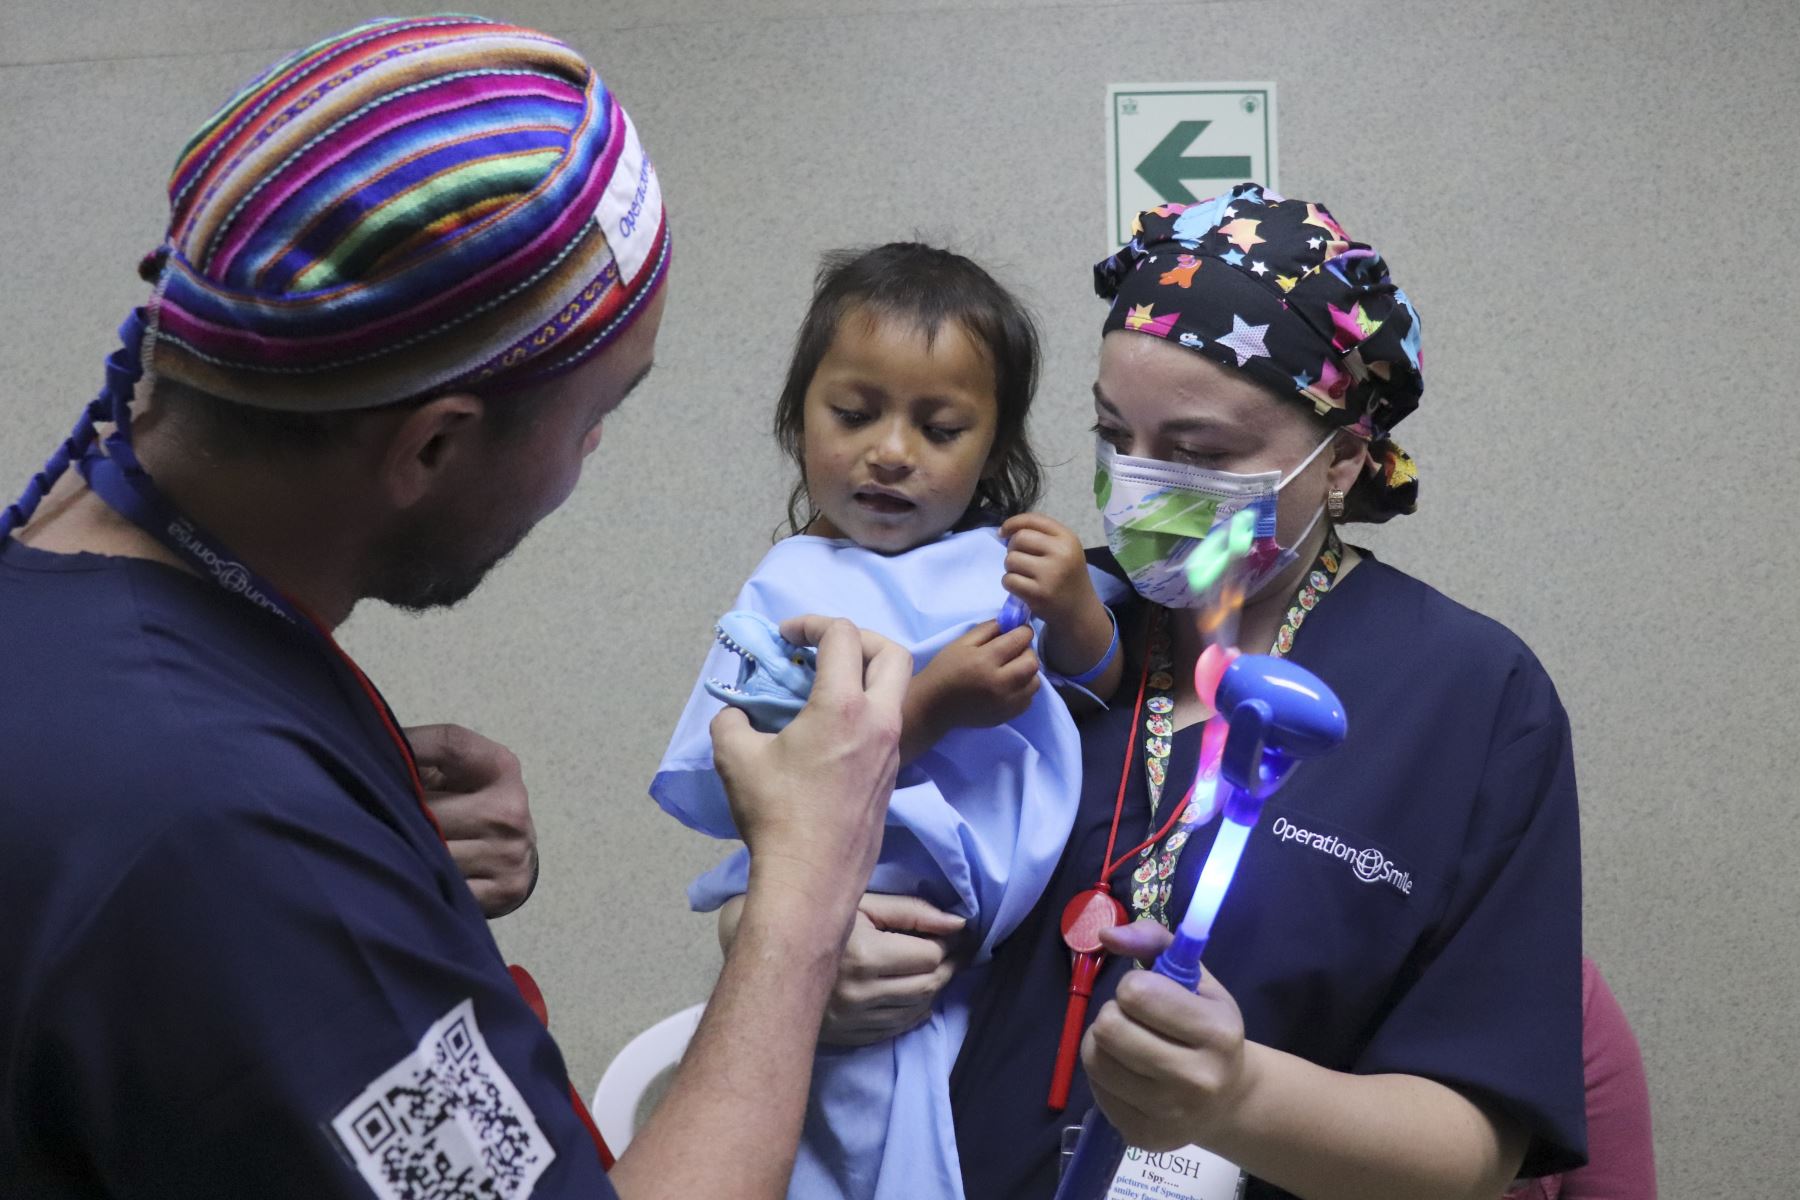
pixel 1112 651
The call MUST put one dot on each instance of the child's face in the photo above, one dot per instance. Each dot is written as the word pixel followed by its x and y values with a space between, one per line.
pixel 898 429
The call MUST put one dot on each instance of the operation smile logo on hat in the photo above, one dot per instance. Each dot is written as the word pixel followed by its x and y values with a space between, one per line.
pixel 413 205
pixel 1275 289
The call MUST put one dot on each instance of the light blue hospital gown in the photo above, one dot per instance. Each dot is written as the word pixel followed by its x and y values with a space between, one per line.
pixel 976 827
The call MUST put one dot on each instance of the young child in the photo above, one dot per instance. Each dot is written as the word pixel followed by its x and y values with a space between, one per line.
pixel 905 410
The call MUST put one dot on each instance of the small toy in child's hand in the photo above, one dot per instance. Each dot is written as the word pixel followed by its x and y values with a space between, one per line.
pixel 1013 614
pixel 774 676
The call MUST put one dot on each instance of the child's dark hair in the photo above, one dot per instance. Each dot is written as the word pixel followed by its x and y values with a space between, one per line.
pixel 932 288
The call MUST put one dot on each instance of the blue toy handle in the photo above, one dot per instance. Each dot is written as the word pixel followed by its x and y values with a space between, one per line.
pixel 1098 1153
pixel 1013 614
pixel 1279 715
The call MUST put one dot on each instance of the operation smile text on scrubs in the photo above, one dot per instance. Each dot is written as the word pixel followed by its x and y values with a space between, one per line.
pixel 1370 866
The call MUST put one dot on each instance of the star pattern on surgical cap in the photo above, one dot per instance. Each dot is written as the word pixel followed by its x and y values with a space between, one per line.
pixel 1143 320
pixel 1351 326
pixel 1324 220
pixel 1323 322
pixel 1242 233
pixel 1245 340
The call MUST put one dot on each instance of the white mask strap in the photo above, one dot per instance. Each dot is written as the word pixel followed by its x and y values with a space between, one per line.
pixel 1310 526
pixel 1307 462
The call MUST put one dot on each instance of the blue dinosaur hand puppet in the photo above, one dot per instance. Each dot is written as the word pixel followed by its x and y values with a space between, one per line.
pixel 774 676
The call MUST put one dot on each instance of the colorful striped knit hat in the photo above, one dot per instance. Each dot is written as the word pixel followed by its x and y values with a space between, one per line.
pixel 415 205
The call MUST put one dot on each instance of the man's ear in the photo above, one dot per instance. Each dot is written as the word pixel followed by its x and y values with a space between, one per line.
pixel 430 440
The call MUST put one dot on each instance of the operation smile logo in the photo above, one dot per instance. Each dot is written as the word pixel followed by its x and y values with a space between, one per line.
pixel 1370 866
pixel 232 576
pixel 628 223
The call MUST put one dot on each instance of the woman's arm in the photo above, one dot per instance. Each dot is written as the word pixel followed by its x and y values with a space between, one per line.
pixel 1170 1067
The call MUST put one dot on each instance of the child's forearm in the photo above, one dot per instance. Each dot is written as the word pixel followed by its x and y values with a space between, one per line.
pixel 920 728
pixel 1075 644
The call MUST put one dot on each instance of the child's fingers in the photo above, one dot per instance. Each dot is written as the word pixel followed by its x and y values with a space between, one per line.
pixel 1007 646
pixel 981 635
pixel 1015 671
pixel 1032 521
pixel 1033 543
pixel 1025 587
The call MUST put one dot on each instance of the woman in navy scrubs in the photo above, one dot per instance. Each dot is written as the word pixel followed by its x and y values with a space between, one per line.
pixel 1392 999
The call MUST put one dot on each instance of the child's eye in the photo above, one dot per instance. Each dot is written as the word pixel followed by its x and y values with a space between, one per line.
pixel 943 433
pixel 851 417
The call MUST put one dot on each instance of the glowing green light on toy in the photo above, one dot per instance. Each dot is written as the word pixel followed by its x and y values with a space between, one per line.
pixel 1226 544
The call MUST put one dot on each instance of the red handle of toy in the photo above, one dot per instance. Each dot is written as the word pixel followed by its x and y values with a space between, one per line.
pixel 1087 969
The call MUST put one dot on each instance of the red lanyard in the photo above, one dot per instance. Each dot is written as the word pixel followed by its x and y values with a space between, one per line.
pixel 121 482
pixel 1109 864
pixel 1096 909
pixel 528 987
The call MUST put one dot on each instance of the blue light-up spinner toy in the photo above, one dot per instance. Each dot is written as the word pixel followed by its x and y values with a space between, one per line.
pixel 1278 715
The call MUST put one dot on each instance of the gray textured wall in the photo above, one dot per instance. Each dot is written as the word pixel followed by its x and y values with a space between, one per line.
pixel 1593 204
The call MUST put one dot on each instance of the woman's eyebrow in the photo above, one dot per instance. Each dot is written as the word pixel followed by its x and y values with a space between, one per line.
pixel 1178 425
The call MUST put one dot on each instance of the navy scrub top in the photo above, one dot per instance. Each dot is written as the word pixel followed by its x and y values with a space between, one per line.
pixel 1411 904
pixel 238 960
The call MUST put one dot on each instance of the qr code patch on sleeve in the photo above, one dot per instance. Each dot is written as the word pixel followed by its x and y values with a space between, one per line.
pixel 445 1122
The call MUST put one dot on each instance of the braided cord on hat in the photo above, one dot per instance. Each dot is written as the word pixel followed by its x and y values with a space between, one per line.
pixel 123 369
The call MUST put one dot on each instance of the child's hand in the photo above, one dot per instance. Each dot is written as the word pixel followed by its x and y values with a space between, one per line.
pixel 1046 568
pixel 983 678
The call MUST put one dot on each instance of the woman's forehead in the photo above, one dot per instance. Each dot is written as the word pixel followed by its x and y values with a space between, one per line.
pixel 1149 383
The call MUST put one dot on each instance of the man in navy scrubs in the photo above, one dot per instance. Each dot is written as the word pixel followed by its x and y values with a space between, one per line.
pixel 408 272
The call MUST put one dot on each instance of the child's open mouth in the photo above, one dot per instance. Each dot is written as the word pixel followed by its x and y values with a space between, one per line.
pixel 885 503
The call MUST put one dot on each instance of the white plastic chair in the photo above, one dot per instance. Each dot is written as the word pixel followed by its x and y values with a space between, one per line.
pixel 637 1067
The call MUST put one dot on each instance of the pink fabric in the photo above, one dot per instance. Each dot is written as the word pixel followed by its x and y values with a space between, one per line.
pixel 1621 1158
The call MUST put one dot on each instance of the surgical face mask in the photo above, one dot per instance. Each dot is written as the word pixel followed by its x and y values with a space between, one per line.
pixel 1156 512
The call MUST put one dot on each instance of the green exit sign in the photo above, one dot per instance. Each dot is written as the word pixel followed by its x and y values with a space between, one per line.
pixel 1181 142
